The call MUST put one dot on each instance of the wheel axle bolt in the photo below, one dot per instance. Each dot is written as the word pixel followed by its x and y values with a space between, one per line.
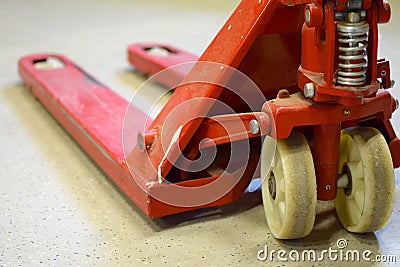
pixel 309 90
pixel 254 127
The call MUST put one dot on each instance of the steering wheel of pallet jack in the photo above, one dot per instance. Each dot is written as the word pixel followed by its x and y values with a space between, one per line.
pixel 289 186
pixel 366 201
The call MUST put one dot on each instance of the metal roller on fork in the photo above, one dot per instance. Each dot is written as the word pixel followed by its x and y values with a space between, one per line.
pixel 323 133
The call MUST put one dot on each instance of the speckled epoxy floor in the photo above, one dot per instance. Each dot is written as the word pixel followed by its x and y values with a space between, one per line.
pixel 58 208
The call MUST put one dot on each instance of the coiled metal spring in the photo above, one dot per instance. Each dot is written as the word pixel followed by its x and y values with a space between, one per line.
pixel 353 42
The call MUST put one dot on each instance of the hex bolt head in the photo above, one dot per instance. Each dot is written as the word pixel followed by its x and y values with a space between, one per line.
pixel 309 90
pixel 307 15
pixel 254 127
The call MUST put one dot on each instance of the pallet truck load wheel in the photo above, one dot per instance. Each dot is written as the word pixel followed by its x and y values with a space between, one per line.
pixel 365 205
pixel 289 186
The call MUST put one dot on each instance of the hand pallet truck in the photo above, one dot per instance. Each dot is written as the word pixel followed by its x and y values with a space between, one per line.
pixel 322 132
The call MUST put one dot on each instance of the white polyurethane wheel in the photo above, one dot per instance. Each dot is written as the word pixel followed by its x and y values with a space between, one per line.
pixel 289 186
pixel 367 203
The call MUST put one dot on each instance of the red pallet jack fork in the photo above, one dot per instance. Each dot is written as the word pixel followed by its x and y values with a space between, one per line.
pixel 262 42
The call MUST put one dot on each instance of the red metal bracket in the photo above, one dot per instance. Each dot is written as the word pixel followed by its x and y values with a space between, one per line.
pixel 298 111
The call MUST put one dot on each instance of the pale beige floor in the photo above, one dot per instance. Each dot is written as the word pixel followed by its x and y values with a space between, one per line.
pixel 58 209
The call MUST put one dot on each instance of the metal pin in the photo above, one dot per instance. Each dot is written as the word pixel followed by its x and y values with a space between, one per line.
pixel 254 127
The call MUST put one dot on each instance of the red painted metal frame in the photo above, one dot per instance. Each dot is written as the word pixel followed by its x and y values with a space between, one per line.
pixel 248 22
pixel 257 39
pixel 298 111
pixel 318 65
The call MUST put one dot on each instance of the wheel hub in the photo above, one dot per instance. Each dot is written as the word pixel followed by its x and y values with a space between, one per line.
pixel 272 185
pixel 348 189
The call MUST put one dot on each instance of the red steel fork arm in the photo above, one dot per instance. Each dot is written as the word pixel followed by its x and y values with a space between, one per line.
pixel 139 55
pixel 91 113
pixel 76 93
